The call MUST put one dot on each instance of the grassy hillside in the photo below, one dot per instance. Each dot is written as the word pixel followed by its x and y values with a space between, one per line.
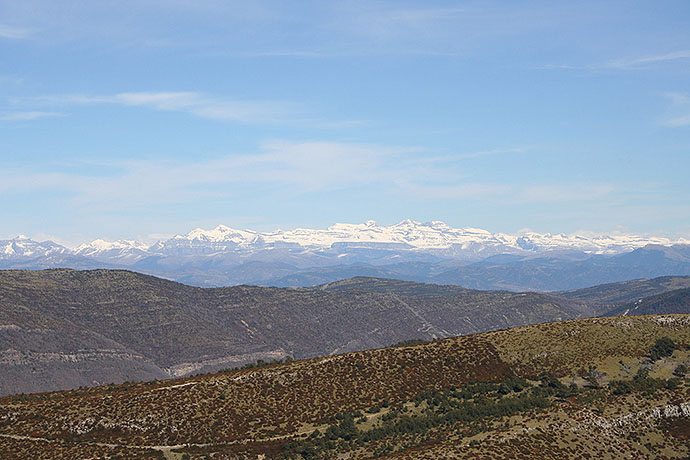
pixel 157 328
pixel 594 388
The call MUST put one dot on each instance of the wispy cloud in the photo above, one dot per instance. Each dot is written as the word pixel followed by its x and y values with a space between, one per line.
pixel 680 107
pixel 15 33
pixel 29 116
pixel 460 157
pixel 292 167
pixel 194 103
pixel 678 121
pixel 287 168
pixel 645 60
pixel 678 98
pixel 199 105
pixel 625 64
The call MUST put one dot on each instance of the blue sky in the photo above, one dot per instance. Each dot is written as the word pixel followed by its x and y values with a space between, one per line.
pixel 139 119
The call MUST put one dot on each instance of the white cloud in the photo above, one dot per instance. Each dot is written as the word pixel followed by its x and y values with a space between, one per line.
pixel 290 169
pixel 680 105
pixel 624 64
pixel 15 33
pixel 193 103
pixel 293 167
pixel 28 116
pixel 641 61
pixel 279 167
pixel 678 122
pixel 678 98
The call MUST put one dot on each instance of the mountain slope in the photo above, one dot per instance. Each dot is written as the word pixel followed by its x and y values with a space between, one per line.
pixel 676 301
pixel 478 396
pixel 39 352
pixel 183 329
pixel 627 291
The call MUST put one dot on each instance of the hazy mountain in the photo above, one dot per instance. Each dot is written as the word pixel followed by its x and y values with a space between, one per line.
pixel 551 274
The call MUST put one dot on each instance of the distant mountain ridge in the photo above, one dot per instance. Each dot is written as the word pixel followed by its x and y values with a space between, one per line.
pixel 66 328
pixel 410 250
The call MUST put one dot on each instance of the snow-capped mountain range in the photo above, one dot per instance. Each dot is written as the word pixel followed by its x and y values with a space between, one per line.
pixel 433 236
pixel 224 255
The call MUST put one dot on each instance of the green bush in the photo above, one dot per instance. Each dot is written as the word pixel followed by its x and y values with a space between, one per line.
pixel 662 348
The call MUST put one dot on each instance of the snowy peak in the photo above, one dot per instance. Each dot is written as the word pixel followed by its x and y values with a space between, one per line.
pixel 221 233
pixel 24 247
pixel 433 236
pixel 103 245
pixel 206 242
pixel 597 244
pixel 124 251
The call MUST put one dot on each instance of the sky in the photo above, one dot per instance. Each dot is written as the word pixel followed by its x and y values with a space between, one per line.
pixel 146 118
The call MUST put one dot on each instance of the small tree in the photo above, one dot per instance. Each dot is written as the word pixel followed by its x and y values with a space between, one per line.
pixel 681 370
pixel 662 348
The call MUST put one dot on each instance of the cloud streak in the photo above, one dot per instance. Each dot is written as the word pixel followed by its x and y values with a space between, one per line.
pixel 29 116
pixel 193 103
pixel 678 122
pixel 626 64
pixel 15 33
pixel 680 103
pixel 642 61
pixel 293 167
pixel 200 105
pixel 286 168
